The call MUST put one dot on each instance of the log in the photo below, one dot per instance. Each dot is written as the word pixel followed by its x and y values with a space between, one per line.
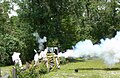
pixel 98 68
pixel 107 69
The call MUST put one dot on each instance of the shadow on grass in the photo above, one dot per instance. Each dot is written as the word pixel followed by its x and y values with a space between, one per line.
pixel 75 60
pixel 106 69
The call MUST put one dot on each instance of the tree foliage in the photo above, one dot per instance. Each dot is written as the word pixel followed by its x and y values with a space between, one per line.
pixel 15 36
pixel 63 22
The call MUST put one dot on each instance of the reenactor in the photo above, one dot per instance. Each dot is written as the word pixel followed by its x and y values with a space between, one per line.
pixel 36 58
pixel 16 59
pixel 43 56
pixel 56 57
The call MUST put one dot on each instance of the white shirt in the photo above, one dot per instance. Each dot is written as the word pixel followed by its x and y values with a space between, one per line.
pixel 43 55
pixel 36 58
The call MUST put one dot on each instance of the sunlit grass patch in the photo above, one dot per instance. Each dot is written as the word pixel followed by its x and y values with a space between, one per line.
pixel 6 69
pixel 93 68
pixel 68 70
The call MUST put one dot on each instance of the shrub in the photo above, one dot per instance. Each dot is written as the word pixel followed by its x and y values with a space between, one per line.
pixel 63 60
pixel 42 68
pixel 28 73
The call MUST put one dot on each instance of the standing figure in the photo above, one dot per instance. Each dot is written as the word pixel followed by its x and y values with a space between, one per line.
pixel 43 56
pixel 56 57
pixel 16 59
pixel 36 58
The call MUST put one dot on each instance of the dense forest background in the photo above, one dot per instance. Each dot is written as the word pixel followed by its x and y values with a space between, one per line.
pixel 63 22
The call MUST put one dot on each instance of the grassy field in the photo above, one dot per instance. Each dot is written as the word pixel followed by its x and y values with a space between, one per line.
pixel 94 68
pixel 6 69
pixel 85 71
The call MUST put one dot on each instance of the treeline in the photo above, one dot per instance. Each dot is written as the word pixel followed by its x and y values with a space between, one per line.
pixel 63 22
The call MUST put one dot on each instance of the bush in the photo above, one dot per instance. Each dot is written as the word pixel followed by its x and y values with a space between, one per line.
pixel 32 72
pixel 42 68
pixel 63 60
pixel 28 73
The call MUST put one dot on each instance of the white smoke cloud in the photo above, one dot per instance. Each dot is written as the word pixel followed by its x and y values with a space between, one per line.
pixel 108 50
pixel 68 53
pixel 40 40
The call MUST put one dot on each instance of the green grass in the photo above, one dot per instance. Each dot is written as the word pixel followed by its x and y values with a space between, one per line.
pixel 6 69
pixel 68 70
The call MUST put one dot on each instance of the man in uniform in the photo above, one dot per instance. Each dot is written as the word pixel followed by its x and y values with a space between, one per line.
pixel 43 56
pixel 16 59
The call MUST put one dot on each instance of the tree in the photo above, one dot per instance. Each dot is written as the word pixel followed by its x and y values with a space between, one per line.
pixel 63 22
pixel 50 20
pixel 14 36
pixel 4 56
